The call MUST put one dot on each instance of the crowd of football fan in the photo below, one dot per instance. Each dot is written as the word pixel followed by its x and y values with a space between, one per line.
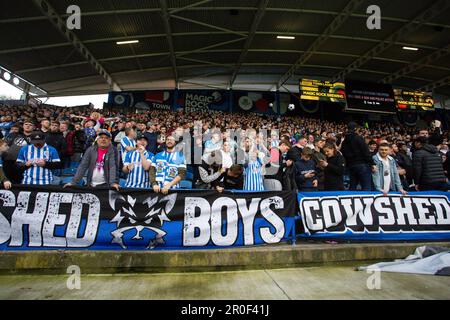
pixel 163 150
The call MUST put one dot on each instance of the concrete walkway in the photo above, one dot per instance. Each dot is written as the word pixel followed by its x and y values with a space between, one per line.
pixel 233 259
pixel 340 282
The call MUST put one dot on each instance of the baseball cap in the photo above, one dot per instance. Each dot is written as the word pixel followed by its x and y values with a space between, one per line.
pixel 140 137
pixel 37 136
pixel 104 133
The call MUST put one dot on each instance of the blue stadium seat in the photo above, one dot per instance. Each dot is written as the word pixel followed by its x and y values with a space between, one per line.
pixel 122 183
pixel 346 182
pixel 189 176
pixel 56 180
pixel 66 180
pixel 69 171
pixel 184 184
pixel 74 165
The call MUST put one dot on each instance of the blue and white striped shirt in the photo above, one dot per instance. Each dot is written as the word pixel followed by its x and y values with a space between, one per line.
pixel 167 165
pixel 254 176
pixel 36 175
pixel 138 178
pixel 126 142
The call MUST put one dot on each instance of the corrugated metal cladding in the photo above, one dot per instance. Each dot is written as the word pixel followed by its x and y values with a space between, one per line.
pixel 209 37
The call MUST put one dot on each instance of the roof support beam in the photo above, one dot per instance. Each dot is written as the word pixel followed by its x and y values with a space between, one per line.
pixel 196 4
pixel 86 78
pixel 418 64
pixel 199 66
pixel 181 54
pixel 436 84
pixel 166 19
pixel 187 34
pixel 203 49
pixel 426 15
pixel 65 65
pixel 332 28
pixel 202 75
pixel 224 86
pixel 209 25
pixel 60 24
pixel 206 62
pixel 222 8
pixel 251 35
pixel 24 85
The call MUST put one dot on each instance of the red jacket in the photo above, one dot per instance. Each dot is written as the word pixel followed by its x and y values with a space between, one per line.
pixel 69 140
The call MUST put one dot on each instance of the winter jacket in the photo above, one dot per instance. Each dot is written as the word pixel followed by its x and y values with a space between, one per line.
pixel 378 175
pixel 152 138
pixel 57 141
pixel 15 142
pixel 284 174
pixel 229 183
pixel 317 156
pixel 276 166
pixel 334 173
pixel 88 162
pixel 79 141
pixel 91 135
pixel 295 154
pixel 69 143
pixel 210 174
pixel 427 166
pixel 356 151
pixel 447 165
pixel 303 167
pixel 405 162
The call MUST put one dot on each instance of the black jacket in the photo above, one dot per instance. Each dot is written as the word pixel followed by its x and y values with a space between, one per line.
pixel 427 166
pixel 405 162
pixel 15 142
pixel 447 165
pixel 303 167
pixel 295 154
pixel 57 141
pixel 209 174
pixel 334 173
pixel 356 151
pixel 79 141
pixel 284 174
pixel 278 167
pixel 152 141
pixel 229 183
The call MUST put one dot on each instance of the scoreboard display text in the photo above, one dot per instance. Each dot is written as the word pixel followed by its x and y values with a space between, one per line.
pixel 317 90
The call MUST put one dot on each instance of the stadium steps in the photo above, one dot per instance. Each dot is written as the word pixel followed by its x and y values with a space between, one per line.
pixel 248 258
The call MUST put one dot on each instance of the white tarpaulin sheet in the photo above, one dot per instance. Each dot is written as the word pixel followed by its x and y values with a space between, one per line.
pixel 425 260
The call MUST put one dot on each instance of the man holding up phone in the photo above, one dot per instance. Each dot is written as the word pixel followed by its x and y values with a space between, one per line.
pixel 137 164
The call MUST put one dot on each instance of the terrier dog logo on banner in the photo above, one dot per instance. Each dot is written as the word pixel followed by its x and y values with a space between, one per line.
pixel 132 214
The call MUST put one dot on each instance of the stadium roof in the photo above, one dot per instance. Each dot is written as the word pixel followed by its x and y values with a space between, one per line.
pixel 223 43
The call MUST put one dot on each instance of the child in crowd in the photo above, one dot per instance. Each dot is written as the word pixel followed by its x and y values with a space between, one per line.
pixel 90 132
pixel 306 172
pixel 334 168
pixel 254 172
